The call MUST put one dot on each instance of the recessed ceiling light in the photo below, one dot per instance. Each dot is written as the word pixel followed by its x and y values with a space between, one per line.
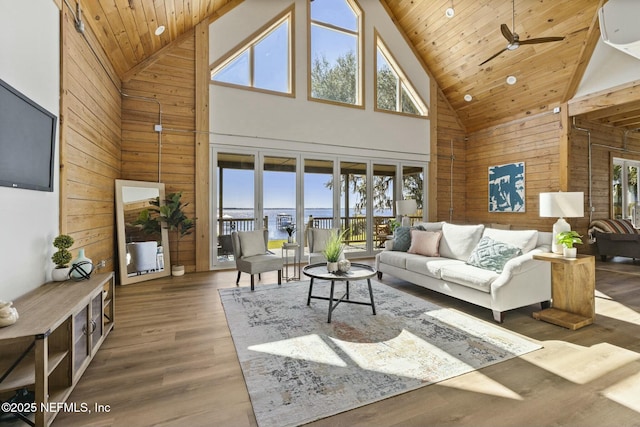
pixel 449 12
pixel 468 98
pixel 511 80
pixel 159 30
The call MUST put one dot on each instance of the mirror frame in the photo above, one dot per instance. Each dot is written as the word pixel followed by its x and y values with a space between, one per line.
pixel 122 241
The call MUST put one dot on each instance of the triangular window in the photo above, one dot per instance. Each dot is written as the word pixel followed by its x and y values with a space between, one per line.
pixel 262 62
pixel 394 92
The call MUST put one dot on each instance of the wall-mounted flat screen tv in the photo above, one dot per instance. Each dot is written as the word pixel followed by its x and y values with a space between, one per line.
pixel 27 142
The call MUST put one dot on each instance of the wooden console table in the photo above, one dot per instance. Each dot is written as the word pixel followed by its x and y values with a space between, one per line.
pixel 61 327
pixel 573 284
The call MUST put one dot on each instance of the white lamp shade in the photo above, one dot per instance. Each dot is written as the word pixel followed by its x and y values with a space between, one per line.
pixel 406 207
pixel 562 205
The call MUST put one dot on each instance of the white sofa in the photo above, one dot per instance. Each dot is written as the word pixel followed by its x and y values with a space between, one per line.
pixel 466 270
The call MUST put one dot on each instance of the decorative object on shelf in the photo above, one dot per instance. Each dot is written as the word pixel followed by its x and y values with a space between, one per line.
pixel 404 208
pixel 561 205
pixel 333 250
pixel 290 229
pixel 567 239
pixel 344 265
pixel 173 217
pixel 81 267
pixel 8 314
pixel 506 188
pixel 62 257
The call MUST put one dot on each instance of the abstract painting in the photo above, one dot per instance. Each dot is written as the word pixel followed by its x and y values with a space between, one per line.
pixel 506 188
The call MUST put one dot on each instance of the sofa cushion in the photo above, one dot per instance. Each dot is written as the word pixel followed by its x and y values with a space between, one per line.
pixel 401 239
pixel 613 226
pixel 429 226
pixel 459 240
pixel 492 255
pixel 394 258
pixel 467 275
pixel 430 266
pixel 425 242
pixel 523 239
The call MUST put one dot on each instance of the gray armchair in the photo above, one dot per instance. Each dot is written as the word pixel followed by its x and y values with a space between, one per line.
pixel 317 240
pixel 250 251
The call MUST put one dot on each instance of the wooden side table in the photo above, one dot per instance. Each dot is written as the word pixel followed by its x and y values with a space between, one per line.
pixel 573 284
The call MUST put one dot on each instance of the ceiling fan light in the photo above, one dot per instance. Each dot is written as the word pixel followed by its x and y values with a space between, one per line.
pixel 449 12
pixel 511 80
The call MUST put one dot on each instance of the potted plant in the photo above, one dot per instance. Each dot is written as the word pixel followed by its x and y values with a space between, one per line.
pixel 333 250
pixel 62 257
pixel 173 217
pixel 290 229
pixel 567 239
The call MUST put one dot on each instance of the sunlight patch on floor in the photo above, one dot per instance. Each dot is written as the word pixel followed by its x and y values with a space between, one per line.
pixel 606 306
pixel 298 348
pixel 579 364
pixel 477 382
pixel 626 392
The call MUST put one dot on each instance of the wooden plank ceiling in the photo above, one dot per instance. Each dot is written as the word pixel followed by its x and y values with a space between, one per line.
pixel 451 48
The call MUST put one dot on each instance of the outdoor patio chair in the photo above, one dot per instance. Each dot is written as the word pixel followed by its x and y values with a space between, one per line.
pixel 252 256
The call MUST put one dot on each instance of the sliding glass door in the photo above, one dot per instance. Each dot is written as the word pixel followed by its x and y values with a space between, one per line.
pixel 279 198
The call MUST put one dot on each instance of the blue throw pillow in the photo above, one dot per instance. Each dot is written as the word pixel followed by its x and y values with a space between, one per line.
pixel 492 255
pixel 402 238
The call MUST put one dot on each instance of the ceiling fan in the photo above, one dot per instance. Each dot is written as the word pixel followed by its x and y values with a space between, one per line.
pixel 514 39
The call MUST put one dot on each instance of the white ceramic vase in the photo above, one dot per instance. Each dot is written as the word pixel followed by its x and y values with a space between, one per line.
pixel 60 274
pixel 569 252
pixel 332 267
pixel 177 270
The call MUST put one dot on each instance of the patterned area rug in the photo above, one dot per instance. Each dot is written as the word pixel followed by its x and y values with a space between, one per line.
pixel 299 368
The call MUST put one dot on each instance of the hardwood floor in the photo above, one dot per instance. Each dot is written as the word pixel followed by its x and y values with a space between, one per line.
pixel 170 361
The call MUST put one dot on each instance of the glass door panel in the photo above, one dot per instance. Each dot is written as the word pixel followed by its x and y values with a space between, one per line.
pixel 279 196
pixel 318 195
pixel 383 202
pixel 632 189
pixel 353 206
pixel 413 188
pixel 235 200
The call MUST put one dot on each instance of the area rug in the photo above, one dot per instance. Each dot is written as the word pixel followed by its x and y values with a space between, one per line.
pixel 299 368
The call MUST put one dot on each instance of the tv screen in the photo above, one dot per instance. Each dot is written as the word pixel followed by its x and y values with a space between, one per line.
pixel 27 142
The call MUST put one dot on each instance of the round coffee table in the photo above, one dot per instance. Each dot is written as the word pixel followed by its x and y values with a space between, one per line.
pixel 356 272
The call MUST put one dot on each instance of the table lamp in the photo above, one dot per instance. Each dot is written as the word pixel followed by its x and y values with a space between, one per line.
pixel 404 208
pixel 562 205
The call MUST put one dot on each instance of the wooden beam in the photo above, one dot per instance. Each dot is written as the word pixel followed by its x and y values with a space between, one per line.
pixel 564 149
pixel 432 188
pixel 202 147
pixel 585 56
pixel 622 94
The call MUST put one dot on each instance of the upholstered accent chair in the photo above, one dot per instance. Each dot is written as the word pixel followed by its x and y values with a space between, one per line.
pixel 317 240
pixel 252 256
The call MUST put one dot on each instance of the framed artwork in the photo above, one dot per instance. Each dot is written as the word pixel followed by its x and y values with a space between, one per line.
pixel 506 188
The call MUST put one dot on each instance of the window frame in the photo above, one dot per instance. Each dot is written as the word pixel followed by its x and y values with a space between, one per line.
pixel 403 82
pixel 249 43
pixel 360 57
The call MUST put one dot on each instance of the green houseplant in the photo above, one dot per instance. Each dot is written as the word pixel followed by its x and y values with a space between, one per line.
pixel 567 239
pixel 173 217
pixel 333 250
pixel 62 257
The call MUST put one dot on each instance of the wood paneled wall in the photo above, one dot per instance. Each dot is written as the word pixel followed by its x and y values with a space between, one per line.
pixel 164 92
pixel 451 174
pixel 89 143
pixel 606 143
pixel 534 141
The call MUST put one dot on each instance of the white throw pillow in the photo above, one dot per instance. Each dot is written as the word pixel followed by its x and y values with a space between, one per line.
pixel 252 242
pixel 523 239
pixel 321 237
pixel 459 240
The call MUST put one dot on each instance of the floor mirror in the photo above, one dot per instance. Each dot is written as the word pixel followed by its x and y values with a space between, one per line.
pixel 143 244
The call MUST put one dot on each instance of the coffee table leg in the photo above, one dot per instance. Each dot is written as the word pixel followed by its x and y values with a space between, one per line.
pixel 310 288
pixel 347 289
pixel 330 302
pixel 373 306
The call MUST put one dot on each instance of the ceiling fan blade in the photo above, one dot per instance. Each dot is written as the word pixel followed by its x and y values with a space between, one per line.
pixel 541 40
pixel 503 50
pixel 506 32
